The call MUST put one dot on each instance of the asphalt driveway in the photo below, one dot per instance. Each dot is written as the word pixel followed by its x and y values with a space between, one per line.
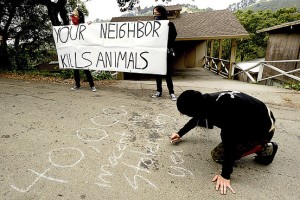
pixel 113 143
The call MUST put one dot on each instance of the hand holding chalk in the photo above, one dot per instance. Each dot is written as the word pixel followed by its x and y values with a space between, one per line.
pixel 175 138
pixel 175 141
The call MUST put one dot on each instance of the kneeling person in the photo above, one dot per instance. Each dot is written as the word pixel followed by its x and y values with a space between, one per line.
pixel 246 123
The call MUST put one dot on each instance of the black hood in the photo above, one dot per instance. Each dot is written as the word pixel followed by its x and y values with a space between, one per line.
pixel 192 103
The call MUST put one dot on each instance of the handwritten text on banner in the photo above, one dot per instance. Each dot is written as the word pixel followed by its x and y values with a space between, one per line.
pixel 136 47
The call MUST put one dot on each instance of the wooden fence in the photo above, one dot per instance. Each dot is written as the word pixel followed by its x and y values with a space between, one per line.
pixel 268 64
pixel 221 67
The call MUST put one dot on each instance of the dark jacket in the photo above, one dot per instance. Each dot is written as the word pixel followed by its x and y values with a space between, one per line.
pixel 172 35
pixel 240 117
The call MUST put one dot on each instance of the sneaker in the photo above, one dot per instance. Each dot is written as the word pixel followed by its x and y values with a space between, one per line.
pixel 173 97
pixel 93 89
pixel 75 88
pixel 156 95
pixel 266 156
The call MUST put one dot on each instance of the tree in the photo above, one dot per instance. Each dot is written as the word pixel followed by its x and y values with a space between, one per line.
pixel 61 8
pixel 240 5
pixel 26 24
pixel 32 38
pixel 129 4
pixel 255 46
pixel 25 30
pixel 7 12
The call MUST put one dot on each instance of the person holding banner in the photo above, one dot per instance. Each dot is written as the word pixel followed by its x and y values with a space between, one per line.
pixel 247 127
pixel 77 17
pixel 160 13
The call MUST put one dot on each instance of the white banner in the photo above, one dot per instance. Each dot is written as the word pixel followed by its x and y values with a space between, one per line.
pixel 136 47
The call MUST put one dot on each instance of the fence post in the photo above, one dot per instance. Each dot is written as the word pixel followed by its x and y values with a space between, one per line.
pixel 232 57
pixel 211 53
pixel 220 55
pixel 260 72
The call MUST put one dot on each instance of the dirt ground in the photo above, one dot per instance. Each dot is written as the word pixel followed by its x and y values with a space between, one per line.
pixel 113 143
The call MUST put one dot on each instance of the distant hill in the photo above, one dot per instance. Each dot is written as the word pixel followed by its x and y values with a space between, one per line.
pixel 148 10
pixel 273 5
pixel 255 5
pixel 241 5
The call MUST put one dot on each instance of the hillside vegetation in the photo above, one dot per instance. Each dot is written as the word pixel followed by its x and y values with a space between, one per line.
pixel 273 5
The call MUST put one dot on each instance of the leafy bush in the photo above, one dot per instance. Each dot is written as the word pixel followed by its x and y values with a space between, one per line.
pixel 293 86
pixel 67 74
pixel 102 75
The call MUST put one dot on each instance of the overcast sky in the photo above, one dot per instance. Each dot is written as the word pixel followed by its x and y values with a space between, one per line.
pixel 106 9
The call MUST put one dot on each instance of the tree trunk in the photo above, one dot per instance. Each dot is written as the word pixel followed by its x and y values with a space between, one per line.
pixel 5 64
pixel 54 9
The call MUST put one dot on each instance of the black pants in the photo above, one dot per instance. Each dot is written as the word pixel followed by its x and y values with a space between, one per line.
pixel 88 76
pixel 168 77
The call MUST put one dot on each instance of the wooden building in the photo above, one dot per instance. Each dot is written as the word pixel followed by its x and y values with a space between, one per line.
pixel 283 45
pixel 194 30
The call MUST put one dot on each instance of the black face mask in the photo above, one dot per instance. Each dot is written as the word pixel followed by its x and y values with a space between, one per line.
pixel 157 17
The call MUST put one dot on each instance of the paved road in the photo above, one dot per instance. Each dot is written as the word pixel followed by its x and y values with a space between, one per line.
pixel 113 144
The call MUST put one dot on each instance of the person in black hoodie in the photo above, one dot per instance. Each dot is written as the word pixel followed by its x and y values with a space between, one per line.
pixel 160 13
pixel 246 123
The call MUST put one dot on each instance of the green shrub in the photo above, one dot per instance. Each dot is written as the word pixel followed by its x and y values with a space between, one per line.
pixel 293 86
pixel 102 75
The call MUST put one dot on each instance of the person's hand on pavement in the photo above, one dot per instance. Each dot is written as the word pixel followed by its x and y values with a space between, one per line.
pixel 222 184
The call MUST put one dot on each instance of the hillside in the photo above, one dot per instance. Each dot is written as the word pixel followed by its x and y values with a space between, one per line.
pixel 186 8
pixel 273 5
pixel 255 5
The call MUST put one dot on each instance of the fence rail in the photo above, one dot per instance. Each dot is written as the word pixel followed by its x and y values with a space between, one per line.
pixel 268 64
pixel 221 66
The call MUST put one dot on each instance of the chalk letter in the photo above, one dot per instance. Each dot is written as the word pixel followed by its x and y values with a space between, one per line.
pixel 134 183
pixel 181 171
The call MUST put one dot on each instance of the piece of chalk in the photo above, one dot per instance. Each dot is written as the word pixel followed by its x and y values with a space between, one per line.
pixel 175 141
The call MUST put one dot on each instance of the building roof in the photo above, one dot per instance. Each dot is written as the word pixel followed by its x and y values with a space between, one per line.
pixel 219 24
pixel 173 8
pixel 279 26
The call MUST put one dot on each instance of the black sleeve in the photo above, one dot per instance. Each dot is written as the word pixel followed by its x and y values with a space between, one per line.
pixel 172 35
pixel 188 126
pixel 230 148
pixel 193 123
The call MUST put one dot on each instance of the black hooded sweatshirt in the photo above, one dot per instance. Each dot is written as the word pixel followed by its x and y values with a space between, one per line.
pixel 241 118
